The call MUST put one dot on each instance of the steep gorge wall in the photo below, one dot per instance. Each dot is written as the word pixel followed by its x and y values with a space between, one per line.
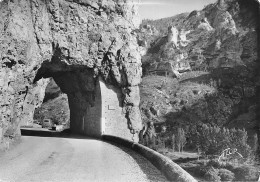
pixel 223 34
pixel 223 52
pixel 75 39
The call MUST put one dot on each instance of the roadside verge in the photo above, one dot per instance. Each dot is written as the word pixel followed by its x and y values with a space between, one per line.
pixel 171 170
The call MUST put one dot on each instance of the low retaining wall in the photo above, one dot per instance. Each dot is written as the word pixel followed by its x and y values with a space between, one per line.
pixel 171 170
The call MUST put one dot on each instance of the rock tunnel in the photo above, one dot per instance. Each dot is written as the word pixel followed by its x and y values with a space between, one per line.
pixel 88 47
pixel 96 108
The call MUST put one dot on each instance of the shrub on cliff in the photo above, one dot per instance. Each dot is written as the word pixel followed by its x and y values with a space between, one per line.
pixel 214 163
pixel 180 139
pixel 212 174
pixel 226 175
pixel 246 173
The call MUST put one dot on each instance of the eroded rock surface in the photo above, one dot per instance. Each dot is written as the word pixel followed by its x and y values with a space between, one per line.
pixel 223 34
pixel 75 40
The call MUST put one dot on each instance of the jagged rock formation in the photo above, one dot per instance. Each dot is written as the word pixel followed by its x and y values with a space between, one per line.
pixel 73 41
pixel 216 37
pixel 173 35
pixel 165 56
pixel 183 38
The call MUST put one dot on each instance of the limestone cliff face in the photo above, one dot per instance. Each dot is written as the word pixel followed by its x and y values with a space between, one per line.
pixel 222 49
pixel 223 34
pixel 72 41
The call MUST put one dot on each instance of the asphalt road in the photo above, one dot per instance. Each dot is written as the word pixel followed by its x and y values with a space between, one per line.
pixel 50 159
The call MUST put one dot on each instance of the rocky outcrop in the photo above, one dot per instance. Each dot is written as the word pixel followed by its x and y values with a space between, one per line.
pixel 219 36
pixel 72 41
pixel 172 35
pixel 145 35
pixel 165 56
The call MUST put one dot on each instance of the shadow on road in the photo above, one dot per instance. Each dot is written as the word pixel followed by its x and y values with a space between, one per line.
pixel 52 133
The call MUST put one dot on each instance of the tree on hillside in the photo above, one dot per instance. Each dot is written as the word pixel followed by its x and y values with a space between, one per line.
pixel 147 135
pixel 180 139
pixel 213 140
pixel 173 142
pixel 255 143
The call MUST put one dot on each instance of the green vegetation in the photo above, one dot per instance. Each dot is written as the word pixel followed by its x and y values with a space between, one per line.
pixel 216 111
pixel 214 140
pixel 218 98
pixel 206 170
pixel 211 174
pixel 226 175
pixel 246 173
pixel 180 139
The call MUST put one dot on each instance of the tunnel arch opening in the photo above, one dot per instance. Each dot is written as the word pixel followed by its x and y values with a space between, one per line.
pixel 83 92
pixel 96 107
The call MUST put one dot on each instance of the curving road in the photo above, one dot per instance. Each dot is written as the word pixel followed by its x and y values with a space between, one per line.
pixel 49 159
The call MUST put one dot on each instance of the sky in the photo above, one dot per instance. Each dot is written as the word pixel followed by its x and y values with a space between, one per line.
pixel 156 9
